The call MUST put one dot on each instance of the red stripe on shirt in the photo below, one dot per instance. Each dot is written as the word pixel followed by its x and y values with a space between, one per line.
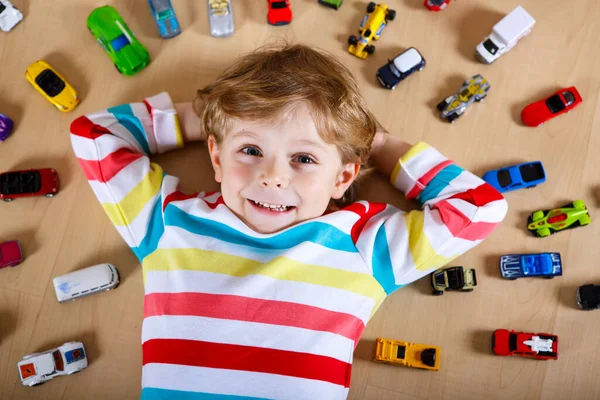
pixel 241 308
pixel 83 127
pixel 178 196
pixel 246 358
pixel 107 168
pixel 460 225
pixel 425 179
pixel 480 196
pixel 365 216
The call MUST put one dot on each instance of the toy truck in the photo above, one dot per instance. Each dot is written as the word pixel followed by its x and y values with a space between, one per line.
pixel 453 278
pixel 505 35
pixel 408 354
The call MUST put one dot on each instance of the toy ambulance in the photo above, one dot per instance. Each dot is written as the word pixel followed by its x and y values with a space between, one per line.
pixel 408 354
pixel 505 35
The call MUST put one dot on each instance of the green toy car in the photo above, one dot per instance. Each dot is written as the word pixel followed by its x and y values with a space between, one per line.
pixel 453 279
pixel 331 3
pixel 109 29
pixel 545 223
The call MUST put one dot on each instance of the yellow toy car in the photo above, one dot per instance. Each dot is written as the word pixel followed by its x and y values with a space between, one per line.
pixel 408 354
pixel 52 86
pixel 371 27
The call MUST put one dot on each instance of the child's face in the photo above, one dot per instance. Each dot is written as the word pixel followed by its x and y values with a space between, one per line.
pixel 275 175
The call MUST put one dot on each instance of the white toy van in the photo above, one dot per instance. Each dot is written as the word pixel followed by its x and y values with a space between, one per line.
pixel 86 281
pixel 505 35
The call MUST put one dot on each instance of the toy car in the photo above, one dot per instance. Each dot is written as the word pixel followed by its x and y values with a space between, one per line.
pixel 279 12
pixel 588 297
pixel 474 89
pixel 165 18
pixel 335 4
pixel 117 40
pixel 28 183
pixel 11 254
pixel 453 278
pixel 526 175
pixel 371 27
pixel 541 346
pixel 546 222
pixel 52 86
pixel 220 17
pixel 559 103
pixel 436 5
pixel 38 368
pixel 400 68
pixel 6 125
pixel 9 16
pixel 546 265
pixel 407 354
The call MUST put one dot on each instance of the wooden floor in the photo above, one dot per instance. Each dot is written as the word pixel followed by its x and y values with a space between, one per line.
pixel 71 231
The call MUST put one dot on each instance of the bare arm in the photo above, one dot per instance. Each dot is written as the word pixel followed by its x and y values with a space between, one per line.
pixel 190 123
pixel 386 151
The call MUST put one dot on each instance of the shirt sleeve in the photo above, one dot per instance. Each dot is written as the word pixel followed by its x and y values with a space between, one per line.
pixel 458 210
pixel 113 148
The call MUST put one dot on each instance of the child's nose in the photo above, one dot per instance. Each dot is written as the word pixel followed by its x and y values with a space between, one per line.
pixel 275 176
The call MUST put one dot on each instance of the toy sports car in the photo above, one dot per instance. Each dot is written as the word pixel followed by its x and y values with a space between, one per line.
pixel 371 27
pixel 52 86
pixel 38 368
pixel 408 354
pixel 453 279
pixel 117 40
pixel 9 16
pixel 279 12
pixel 335 4
pixel 436 5
pixel 27 183
pixel 474 89
pixel 6 125
pixel 526 175
pixel 588 297
pixel 11 254
pixel 400 68
pixel 560 102
pixel 165 18
pixel 546 222
pixel 220 17
pixel 541 346
pixel 546 265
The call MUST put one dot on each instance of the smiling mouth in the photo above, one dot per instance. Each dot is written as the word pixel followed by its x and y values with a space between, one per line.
pixel 271 207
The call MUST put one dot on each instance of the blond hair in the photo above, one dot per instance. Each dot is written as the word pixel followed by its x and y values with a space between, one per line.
pixel 264 84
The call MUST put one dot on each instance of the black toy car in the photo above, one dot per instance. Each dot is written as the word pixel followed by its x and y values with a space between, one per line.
pixel 588 297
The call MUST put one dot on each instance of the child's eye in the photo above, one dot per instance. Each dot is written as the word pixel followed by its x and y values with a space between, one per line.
pixel 305 159
pixel 251 151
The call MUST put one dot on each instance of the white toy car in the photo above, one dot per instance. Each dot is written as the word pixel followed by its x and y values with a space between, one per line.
pixel 9 15
pixel 220 17
pixel 37 368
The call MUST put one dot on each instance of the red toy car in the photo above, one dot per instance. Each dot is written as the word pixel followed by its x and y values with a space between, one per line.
pixel 436 5
pixel 27 183
pixel 541 346
pixel 560 102
pixel 279 13
pixel 10 254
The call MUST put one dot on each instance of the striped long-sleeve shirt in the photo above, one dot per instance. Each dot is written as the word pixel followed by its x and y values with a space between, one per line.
pixel 231 313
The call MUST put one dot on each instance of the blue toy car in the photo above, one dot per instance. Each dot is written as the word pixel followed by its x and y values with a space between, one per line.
pixel 546 265
pixel 165 18
pixel 6 125
pixel 526 175
pixel 398 69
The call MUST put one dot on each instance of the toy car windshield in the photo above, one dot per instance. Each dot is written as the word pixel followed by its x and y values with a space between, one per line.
pixel 490 46
pixel 504 178
pixel 569 97
pixel 439 279
pixel 532 172
pixel 512 342
pixel 278 4
pixel 58 361
pixel 219 8
pixel 555 104
pixel 16 183
pixel 437 2
pixel 120 42
pixel 162 9
pixel 50 83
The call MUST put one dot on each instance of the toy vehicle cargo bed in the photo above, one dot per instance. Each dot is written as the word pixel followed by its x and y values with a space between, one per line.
pixel 514 24
pixel 532 172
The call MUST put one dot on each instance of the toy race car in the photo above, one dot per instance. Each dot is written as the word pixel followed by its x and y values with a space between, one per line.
pixel 521 176
pixel 220 17
pixel 52 86
pixel 474 89
pixel 559 103
pixel 453 278
pixel 371 27
pixel 117 40
pixel 436 5
pixel 165 18
pixel 9 16
pixel 335 4
pixel 279 12
pixel 11 254
pixel 541 346
pixel 400 68
pixel 28 183
pixel 588 297
pixel 546 265
pixel 408 354
pixel 38 368
pixel 546 222
pixel 6 126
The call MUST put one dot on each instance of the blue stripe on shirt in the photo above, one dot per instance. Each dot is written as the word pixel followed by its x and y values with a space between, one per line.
pixel 383 269
pixel 149 393
pixel 439 183
pixel 124 114
pixel 156 228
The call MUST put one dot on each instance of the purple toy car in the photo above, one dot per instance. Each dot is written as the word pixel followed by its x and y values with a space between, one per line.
pixel 6 126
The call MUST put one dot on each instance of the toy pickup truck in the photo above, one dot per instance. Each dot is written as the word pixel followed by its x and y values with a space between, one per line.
pixel 506 33
pixel 408 354
pixel 453 278
pixel 546 265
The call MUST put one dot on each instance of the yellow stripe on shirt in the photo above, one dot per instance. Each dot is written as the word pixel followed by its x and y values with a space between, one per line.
pixel 422 252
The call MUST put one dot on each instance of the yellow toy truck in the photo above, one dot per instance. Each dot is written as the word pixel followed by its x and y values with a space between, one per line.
pixel 408 354
pixel 371 27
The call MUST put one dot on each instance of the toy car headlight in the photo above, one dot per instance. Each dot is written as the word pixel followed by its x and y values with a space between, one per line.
pixel 61 107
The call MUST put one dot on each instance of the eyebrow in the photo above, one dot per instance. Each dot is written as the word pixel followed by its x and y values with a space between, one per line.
pixel 310 143
pixel 244 132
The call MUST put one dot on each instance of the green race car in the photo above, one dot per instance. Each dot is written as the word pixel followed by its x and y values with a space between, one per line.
pixel 332 3
pixel 544 223
pixel 109 29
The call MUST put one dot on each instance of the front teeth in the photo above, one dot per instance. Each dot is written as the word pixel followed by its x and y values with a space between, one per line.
pixel 274 207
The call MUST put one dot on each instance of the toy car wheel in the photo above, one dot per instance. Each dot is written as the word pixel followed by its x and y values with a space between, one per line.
pixel 37 383
pixel 352 40
pixel 391 15
pixel 7 200
pixel 370 49
pixel 543 232
pixel 467 290
pixel 371 7
pixel 437 292
pixel 117 67
pixel 479 99
pixel 536 216
pixel 74 372
pixel 49 194
pixel 549 277
pixel 452 118
pixel 442 105
pixel 512 279
pixel 579 205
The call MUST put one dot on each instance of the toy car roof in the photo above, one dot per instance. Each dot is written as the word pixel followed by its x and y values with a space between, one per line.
pixel 407 60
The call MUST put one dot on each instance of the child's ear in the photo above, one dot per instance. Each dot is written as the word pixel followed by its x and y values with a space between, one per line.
pixel 346 176
pixel 215 156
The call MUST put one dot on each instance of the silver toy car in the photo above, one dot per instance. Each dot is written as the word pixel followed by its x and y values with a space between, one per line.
pixel 474 89
pixel 220 16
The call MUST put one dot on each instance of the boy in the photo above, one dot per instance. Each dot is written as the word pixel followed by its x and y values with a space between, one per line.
pixel 263 290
